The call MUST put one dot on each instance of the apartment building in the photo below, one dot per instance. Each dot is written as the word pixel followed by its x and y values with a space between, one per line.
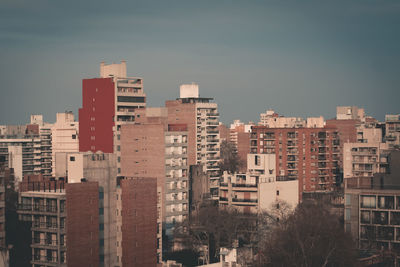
pixel 350 113
pixel 364 159
pixel 392 133
pixel 27 148
pixel 64 222
pixel 202 119
pixel 4 172
pixel 100 168
pixel 137 222
pixel 258 189
pixel 372 208
pixel 308 154
pixel 65 139
pixel 108 103
pixel 271 119
pixel 239 136
pixel 45 143
pixel 154 149
pixel 22 153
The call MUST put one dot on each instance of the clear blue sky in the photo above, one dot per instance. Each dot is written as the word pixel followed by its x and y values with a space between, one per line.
pixel 301 58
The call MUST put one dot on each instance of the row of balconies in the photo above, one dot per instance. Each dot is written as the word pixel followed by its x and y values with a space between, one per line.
pixel 38 208
pixel 47 225
pixel 45 242
pixel 45 259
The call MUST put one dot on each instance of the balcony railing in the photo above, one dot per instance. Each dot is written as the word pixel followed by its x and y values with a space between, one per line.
pixel 244 200
pixel 45 242
pixel 244 185
pixel 41 208
pixel 45 225
pixel 44 258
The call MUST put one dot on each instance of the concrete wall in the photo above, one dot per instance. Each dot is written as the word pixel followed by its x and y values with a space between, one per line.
pixel 273 192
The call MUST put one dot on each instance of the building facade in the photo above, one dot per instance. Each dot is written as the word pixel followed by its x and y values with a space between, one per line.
pixel 107 103
pixel 64 222
pixel 154 149
pixel 202 119
pixel 392 133
pixel 258 189
pixel 372 208
pixel 309 155
pixel 65 139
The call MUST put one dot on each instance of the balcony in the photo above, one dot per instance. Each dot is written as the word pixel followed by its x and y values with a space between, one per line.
pixel 37 208
pixel 45 225
pixel 244 200
pixel 44 242
pixel 243 185
pixel 46 260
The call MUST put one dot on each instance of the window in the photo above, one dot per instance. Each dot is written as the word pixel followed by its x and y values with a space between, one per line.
pixel 71 158
pixel 368 202
pixel 74 136
pixel 132 99
pixel 257 160
pixel 347 199
pixel 386 202
pixel 347 214
pixel 277 192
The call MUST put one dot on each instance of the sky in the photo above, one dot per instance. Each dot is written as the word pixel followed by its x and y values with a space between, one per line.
pixel 300 58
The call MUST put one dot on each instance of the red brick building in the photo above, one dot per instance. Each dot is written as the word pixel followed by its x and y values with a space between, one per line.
pixel 65 222
pixel 108 103
pixel 139 221
pixel 308 154
pixel 82 224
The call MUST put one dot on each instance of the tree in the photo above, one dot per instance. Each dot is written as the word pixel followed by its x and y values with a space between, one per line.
pixel 230 160
pixel 311 236
pixel 214 228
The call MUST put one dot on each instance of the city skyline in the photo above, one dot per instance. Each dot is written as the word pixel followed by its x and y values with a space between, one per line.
pixel 298 59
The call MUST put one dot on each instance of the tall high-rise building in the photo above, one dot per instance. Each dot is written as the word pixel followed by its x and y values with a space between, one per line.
pixel 100 168
pixel 308 154
pixel 21 147
pixel 64 222
pixel 3 174
pixel 154 149
pixel 137 213
pixel 392 133
pixel 372 208
pixel 107 103
pixel 202 119
pixel 65 139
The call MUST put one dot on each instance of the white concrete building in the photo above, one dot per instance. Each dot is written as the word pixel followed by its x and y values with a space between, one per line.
pixel 258 189
pixel 364 159
pixel 65 139
pixel 273 120
pixel 350 113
